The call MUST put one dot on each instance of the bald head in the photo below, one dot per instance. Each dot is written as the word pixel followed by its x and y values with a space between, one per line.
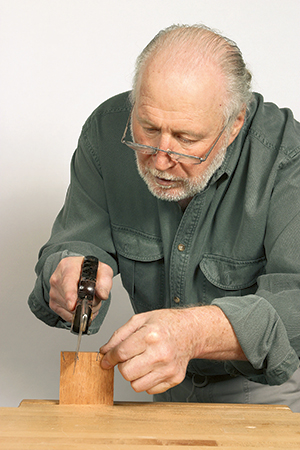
pixel 184 56
pixel 165 84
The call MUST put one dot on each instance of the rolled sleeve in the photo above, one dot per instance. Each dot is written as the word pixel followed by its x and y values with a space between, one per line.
pixel 263 338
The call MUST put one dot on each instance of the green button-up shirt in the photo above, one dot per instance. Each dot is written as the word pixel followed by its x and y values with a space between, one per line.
pixel 237 244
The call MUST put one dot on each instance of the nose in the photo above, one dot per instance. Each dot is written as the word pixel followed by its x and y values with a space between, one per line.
pixel 164 141
pixel 162 161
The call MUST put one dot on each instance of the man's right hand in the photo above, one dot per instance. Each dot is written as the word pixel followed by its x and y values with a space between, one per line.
pixel 64 286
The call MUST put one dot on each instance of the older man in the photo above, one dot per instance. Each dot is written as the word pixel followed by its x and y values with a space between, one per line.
pixel 201 220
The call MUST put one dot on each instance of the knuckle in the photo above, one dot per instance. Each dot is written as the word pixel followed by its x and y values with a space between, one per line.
pixel 54 279
pixel 154 335
pixel 138 318
pixel 52 304
pixel 104 280
pixel 114 336
pixel 124 372
pixel 135 386
pixel 106 269
pixel 165 355
pixel 168 353
pixel 177 378
pixel 169 373
pixel 70 302
pixel 121 354
pixel 103 292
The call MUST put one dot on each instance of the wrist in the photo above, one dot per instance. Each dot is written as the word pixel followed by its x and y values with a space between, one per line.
pixel 211 335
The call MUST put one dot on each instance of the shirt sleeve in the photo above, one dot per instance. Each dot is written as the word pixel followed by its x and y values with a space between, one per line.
pixel 81 228
pixel 267 324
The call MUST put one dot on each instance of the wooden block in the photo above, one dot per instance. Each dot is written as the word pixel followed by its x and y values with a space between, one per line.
pixel 89 384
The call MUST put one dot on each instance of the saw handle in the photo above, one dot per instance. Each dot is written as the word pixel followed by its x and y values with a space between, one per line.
pixel 86 293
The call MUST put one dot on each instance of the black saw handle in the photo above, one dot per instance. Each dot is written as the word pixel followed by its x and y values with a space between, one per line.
pixel 86 293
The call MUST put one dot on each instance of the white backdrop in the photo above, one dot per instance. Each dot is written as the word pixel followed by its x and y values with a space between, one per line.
pixel 59 60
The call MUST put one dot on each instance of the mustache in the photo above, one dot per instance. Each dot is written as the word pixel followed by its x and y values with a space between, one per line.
pixel 163 175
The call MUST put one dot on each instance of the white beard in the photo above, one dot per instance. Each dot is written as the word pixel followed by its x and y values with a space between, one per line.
pixel 188 187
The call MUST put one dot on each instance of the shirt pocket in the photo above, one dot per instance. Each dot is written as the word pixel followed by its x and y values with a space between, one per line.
pixel 141 266
pixel 225 276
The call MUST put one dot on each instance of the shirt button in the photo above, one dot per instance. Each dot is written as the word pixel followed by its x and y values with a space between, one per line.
pixel 181 247
pixel 176 299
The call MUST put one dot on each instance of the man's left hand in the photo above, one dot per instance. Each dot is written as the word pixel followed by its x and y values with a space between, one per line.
pixel 152 350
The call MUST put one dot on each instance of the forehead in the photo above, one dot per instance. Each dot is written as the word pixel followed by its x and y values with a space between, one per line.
pixel 168 87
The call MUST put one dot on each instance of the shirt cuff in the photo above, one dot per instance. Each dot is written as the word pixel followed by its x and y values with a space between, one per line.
pixel 263 338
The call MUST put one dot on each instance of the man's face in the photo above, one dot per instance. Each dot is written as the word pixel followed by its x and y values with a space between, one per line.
pixel 185 115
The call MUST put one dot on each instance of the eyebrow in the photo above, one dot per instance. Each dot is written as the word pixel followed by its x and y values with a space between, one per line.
pixel 193 134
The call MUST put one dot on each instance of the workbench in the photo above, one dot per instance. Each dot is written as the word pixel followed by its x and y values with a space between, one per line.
pixel 48 425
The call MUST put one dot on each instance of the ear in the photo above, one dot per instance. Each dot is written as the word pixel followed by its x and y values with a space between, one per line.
pixel 237 125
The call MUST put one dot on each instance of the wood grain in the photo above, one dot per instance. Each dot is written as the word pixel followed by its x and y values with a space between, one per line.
pixel 89 384
pixel 48 425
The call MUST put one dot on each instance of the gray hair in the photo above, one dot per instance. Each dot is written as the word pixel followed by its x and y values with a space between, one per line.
pixel 207 44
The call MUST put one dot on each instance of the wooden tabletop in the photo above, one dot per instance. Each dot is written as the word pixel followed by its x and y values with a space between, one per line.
pixel 47 425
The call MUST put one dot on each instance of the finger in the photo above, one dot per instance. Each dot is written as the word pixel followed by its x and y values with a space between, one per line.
pixel 103 282
pixel 64 283
pixel 135 368
pixel 95 312
pixel 124 352
pixel 61 303
pixel 155 382
pixel 123 333
pixel 152 382
pixel 63 313
pixel 159 388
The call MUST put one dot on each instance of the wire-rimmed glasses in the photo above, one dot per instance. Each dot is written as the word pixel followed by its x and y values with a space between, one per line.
pixel 175 156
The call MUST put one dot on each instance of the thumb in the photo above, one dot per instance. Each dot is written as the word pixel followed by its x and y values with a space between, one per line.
pixel 104 281
pixel 123 333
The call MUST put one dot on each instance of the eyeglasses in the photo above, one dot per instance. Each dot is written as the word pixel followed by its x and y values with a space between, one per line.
pixel 177 157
